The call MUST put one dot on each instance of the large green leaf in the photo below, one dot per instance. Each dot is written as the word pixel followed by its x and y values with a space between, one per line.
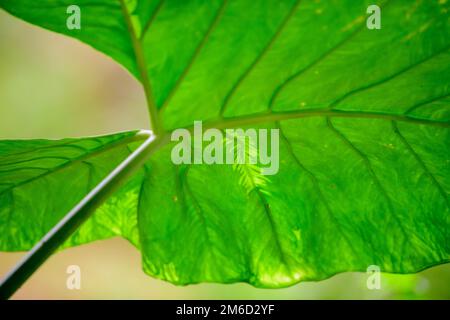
pixel 364 117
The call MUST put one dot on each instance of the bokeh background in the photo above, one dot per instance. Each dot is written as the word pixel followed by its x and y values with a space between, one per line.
pixel 55 87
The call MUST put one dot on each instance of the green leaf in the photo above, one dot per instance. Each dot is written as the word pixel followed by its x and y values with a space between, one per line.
pixel 41 180
pixel 364 117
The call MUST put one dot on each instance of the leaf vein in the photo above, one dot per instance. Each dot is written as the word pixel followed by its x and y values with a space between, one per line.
pixel 259 57
pixel 369 168
pixel 195 54
pixel 151 19
pixel 316 184
pixel 388 78
pixel 420 162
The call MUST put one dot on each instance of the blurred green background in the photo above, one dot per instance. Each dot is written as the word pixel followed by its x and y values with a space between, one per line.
pixel 55 87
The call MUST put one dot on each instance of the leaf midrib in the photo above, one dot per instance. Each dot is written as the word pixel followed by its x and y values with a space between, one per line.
pixel 141 64
pixel 268 117
pixel 254 119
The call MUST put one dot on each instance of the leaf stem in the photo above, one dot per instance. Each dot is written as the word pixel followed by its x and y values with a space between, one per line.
pixel 155 122
pixel 82 211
